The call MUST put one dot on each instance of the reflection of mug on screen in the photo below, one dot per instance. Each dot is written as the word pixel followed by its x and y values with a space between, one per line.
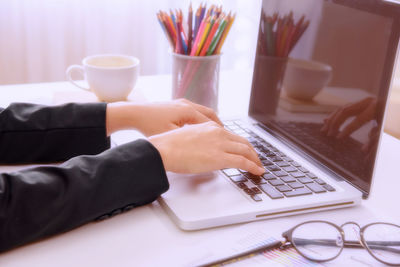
pixel 304 79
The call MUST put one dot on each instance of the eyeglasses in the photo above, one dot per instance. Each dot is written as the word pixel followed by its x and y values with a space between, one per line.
pixel 324 241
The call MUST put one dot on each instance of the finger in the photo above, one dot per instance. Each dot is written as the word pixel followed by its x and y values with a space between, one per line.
pixel 206 111
pixel 240 162
pixel 236 138
pixel 194 118
pixel 242 150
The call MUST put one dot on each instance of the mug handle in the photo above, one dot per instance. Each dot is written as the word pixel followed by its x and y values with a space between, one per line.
pixel 81 70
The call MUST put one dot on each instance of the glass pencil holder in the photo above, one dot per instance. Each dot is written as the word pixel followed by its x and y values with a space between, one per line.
pixel 196 78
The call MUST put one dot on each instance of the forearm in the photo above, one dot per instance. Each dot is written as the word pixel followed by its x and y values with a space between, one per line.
pixel 36 133
pixel 43 201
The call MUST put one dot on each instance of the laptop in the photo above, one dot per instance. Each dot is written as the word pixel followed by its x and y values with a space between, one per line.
pixel 347 47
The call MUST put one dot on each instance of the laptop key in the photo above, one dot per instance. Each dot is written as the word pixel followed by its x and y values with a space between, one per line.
pixel 281 154
pixel 241 185
pixel 288 179
pixel 231 172
pixel 298 192
pixel 256 190
pixel 255 179
pixel 273 168
pixel 258 181
pixel 275 159
pixel 319 181
pixel 261 157
pixel 289 169
pixel 282 164
pixel 283 188
pixel 288 159
pixel 296 164
pixel 256 198
pixel 270 154
pixel 329 187
pixel 251 176
pixel 248 191
pixel 302 169
pixel 297 174
pixel 270 191
pixel 238 178
pixel 280 173
pixel 305 180
pixel 274 149
pixel 276 182
pixel 268 176
pixel 311 175
pixel 296 185
pixel 316 188
pixel 267 162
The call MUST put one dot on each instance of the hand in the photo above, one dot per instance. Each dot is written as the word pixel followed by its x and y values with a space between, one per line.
pixel 363 111
pixel 155 118
pixel 205 147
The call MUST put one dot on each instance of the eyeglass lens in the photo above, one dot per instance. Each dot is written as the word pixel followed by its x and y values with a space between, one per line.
pixel 317 240
pixel 383 241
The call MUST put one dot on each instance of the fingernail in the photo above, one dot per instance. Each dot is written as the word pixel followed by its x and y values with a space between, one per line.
pixel 262 170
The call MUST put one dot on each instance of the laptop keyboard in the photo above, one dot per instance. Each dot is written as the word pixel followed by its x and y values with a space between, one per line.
pixel 283 177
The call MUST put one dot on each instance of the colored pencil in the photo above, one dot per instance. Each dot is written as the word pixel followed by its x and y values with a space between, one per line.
pixel 217 37
pixel 203 36
pixel 197 41
pixel 225 34
pixel 190 33
pixel 196 23
pixel 209 38
pixel 160 20
pixel 198 35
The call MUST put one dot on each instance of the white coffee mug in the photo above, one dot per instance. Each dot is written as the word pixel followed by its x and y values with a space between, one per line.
pixel 110 77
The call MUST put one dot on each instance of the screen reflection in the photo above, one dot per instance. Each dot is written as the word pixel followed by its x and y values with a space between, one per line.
pixel 321 79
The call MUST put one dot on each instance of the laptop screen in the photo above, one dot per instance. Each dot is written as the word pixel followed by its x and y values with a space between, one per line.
pixel 321 79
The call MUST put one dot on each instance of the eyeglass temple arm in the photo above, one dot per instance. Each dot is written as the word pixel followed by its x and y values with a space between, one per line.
pixel 383 245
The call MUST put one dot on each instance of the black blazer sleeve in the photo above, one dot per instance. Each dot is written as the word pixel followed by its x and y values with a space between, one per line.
pixel 35 133
pixel 42 201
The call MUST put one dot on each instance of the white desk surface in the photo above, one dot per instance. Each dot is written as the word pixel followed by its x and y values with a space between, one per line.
pixel 146 236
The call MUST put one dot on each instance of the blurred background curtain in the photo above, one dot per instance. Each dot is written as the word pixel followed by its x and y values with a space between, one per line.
pixel 40 38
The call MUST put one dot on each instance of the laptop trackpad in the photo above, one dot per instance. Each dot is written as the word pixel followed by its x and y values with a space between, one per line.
pixel 207 194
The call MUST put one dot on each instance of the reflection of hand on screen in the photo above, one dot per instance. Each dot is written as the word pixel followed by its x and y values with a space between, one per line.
pixel 363 111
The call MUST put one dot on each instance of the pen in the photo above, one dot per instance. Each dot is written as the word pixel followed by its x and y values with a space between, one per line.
pixel 243 255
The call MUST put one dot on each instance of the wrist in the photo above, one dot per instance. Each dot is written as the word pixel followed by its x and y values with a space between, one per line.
pixel 162 147
pixel 121 116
